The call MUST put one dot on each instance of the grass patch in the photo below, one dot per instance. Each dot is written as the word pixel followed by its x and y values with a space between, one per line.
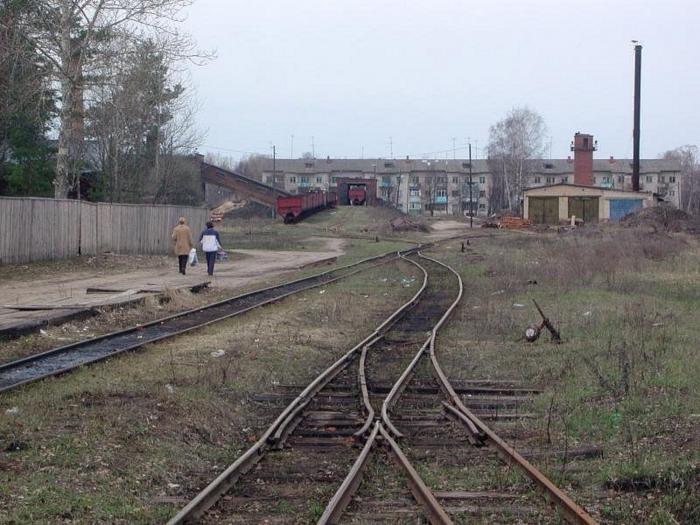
pixel 117 441
pixel 626 377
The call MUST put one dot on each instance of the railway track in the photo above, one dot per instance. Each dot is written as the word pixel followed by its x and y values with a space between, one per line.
pixel 388 394
pixel 65 358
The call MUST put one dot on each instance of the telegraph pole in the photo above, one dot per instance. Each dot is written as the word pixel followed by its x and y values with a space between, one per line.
pixel 471 205
pixel 274 173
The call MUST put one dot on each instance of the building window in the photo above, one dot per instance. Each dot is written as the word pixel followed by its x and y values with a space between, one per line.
pixel 466 165
pixel 292 179
pixel 482 194
pixel 455 193
pixel 334 180
pixel 648 178
pixel 455 180
pixel 564 179
pixel 482 206
pixel 414 180
pixel 537 180
pixel 414 193
pixel 319 179
pixel 427 207
pixel 548 166
pixel 672 178
pixel 672 193
pixel 441 192
pixel 606 180
pixel 482 180
pixel 441 180
pixel 621 178
pixel 550 180
pixel 388 164
pixel 662 178
pixel 309 164
pixel 305 180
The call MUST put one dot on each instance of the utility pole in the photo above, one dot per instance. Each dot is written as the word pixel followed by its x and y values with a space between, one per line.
pixel 471 205
pixel 454 149
pixel 391 148
pixel 274 173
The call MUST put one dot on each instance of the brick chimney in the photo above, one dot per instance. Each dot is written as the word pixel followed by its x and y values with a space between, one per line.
pixel 583 148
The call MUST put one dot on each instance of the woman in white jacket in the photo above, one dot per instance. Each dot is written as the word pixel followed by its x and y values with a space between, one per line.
pixel 211 243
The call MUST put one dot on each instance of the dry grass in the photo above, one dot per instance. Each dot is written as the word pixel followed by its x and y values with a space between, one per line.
pixel 626 376
pixel 131 439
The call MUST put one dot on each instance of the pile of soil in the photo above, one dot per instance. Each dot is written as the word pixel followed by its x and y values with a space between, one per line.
pixel 662 218
pixel 405 224
pixel 250 210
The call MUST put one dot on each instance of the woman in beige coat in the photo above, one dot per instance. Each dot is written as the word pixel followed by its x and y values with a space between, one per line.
pixel 182 236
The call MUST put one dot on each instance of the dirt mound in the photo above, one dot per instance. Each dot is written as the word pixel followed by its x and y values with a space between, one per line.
pixel 250 210
pixel 662 218
pixel 405 224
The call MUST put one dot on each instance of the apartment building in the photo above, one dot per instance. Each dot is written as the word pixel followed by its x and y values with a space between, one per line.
pixel 444 187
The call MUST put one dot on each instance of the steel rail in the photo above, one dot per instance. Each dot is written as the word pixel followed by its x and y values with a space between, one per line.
pixel 434 511
pixel 362 379
pixel 342 497
pixel 376 336
pixel 210 495
pixel 573 513
pixel 7 370
pixel 408 373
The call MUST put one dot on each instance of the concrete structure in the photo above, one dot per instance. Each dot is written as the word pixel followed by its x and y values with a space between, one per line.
pixel 557 203
pixel 221 184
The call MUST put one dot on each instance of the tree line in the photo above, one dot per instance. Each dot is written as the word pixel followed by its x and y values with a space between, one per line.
pixel 93 102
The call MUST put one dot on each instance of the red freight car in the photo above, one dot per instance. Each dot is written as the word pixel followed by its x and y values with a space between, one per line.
pixel 357 195
pixel 295 207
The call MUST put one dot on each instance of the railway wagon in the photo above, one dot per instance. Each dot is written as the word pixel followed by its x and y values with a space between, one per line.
pixel 296 207
pixel 357 195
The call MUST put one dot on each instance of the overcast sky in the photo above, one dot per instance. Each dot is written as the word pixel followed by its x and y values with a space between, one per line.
pixel 357 75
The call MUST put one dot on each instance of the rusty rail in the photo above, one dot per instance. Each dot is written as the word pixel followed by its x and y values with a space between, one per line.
pixel 341 499
pixel 210 495
pixel 572 511
pixel 423 495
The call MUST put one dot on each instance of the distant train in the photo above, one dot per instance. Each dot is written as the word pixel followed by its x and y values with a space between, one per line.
pixel 357 195
pixel 296 207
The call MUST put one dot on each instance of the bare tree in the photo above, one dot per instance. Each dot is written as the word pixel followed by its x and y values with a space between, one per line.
pixel 513 143
pixel 253 166
pixel 142 120
pixel 74 36
pixel 689 158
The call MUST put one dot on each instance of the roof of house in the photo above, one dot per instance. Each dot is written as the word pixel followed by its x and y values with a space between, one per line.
pixel 597 188
pixel 479 166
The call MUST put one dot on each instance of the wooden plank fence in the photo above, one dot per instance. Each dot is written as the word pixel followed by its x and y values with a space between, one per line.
pixel 33 229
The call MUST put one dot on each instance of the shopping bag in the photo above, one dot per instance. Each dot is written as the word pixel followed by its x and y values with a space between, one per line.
pixel 192 258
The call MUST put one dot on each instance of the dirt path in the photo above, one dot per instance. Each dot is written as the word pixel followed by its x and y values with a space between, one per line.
pixel 66 295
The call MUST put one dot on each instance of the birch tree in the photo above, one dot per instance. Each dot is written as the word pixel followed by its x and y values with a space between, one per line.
pixel 74 36
pixel 514 143
pixel 689 158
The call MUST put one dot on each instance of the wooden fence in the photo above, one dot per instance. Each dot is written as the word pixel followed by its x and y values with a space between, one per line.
pixel 33 229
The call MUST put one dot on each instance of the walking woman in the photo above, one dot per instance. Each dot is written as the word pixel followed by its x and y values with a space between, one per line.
pixel 211 243
pixel 182 236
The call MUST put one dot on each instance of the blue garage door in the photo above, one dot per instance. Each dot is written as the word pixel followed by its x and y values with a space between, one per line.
pixel 621 207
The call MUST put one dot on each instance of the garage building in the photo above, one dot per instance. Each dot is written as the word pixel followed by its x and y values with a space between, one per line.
pixel 559 202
